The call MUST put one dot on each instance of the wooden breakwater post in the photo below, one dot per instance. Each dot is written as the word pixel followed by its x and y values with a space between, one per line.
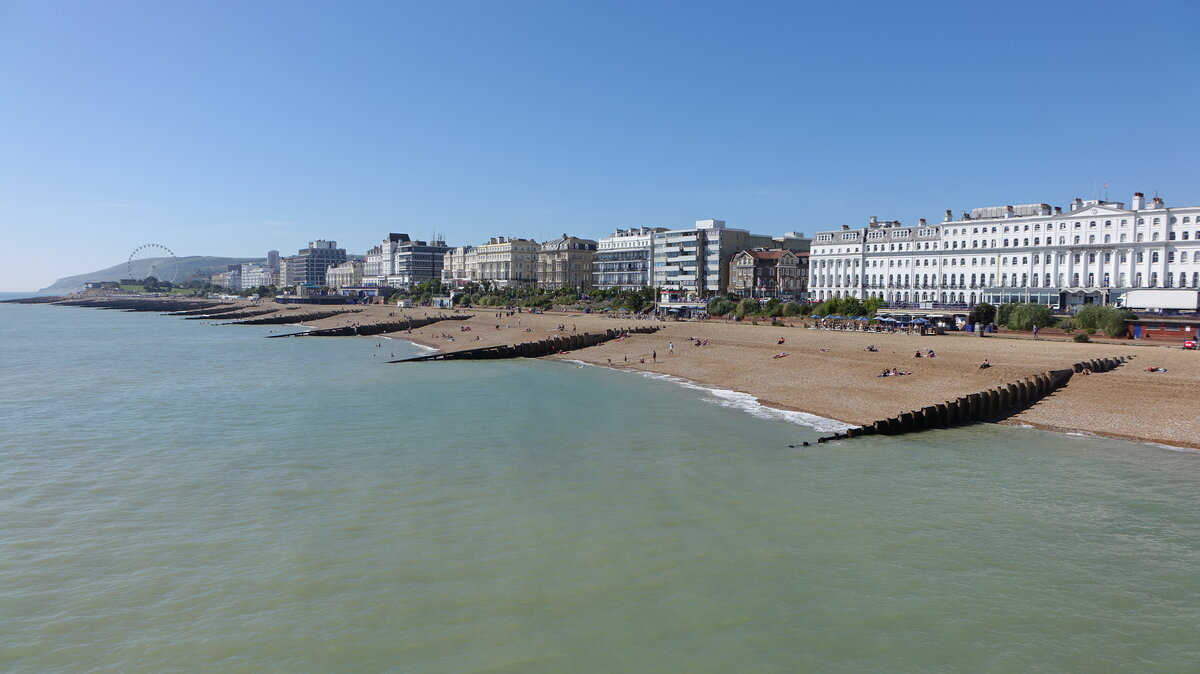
pixel 542 347
pixel 994 404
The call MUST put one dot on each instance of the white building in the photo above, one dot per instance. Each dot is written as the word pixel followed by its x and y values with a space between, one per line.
pixel 255 275
pixel 348 274
pixel 1093 253
pixel 624 259
pixel 460 266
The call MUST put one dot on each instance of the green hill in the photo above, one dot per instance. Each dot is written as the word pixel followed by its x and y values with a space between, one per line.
pixel 161 267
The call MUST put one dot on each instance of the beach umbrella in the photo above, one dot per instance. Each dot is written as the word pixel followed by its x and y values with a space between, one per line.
pixel 815 316
pixel 920 320
pixel 887 319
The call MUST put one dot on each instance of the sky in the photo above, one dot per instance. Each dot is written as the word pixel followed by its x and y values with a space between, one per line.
pixel 230 128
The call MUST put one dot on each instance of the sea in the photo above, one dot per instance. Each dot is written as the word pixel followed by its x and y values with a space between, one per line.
pixel 178 496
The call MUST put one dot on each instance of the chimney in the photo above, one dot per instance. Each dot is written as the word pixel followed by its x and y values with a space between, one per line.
pixel 845 227
pixel 949 217
pixel 1139 201
pixel 1009 212
pixel 922 221
pixel 1077 204
pixel 1157 203
pixel 874 220
pixel 1058 210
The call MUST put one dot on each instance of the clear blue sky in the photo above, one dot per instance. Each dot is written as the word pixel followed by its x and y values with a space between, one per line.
pixel 233 127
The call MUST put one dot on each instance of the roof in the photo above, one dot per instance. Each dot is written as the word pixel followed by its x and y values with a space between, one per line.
pixel 767 254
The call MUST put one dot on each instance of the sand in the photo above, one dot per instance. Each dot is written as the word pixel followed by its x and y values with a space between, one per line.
pixel 831 374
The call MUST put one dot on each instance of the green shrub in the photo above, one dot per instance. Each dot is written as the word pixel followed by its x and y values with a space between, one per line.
pixel 772 308
pixel 720 307
pixel 791 309
pixel 1110 320
pixel 747 307
pixel 1081 337
pixel 1067 325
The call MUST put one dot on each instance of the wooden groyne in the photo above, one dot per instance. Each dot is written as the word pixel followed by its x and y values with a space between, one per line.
pixel 543 347
pixel 292 317
pixel 235 315
pixel 215 310
pixel 45 299
pixel 159 305
pixel 994 404
pixel 376 328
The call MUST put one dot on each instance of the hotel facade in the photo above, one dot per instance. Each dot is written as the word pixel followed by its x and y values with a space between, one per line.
pixel 1091 254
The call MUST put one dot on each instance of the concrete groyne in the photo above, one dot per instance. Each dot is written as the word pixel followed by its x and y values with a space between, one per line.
pixel 542 347
pixel 375 328
pixel 994 404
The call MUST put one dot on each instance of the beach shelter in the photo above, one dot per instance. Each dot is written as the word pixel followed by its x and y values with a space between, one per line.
pixel 920 321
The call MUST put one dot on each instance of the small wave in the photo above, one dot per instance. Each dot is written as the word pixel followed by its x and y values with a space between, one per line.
pixel 748 404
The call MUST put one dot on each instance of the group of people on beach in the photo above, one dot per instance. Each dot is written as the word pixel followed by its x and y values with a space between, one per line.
pixel 893 373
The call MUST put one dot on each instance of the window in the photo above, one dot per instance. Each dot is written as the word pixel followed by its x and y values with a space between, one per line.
pixel 1122 237
pixel 1154 236
pixel 1076 238
pixel 1153 257
pixel 1107 238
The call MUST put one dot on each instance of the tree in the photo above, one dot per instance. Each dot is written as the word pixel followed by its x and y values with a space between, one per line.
pixel 1003 312
pixel 982 313
pixel 747 307
pixel 872 305
pixel 1025 316
pixel 772 308
pixel 791 309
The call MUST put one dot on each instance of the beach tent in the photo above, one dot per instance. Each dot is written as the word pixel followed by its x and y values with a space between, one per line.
pixel 920 320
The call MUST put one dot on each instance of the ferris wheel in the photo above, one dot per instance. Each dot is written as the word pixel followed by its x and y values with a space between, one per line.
pixel 162 263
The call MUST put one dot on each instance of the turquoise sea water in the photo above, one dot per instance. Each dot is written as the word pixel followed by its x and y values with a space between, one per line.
pixel 179 496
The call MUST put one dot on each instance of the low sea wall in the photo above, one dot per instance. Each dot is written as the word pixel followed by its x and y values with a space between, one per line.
pixel 542 347
pixel 994 404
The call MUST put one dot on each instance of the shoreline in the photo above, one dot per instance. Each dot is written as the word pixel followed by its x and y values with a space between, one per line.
pixel 830 377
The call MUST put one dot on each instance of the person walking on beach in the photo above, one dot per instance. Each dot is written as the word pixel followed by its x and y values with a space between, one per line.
pixel 1035 331
pixel 654 356
pixel 670 347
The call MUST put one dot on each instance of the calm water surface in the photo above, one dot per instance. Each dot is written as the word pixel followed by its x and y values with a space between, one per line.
pixel 180 496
